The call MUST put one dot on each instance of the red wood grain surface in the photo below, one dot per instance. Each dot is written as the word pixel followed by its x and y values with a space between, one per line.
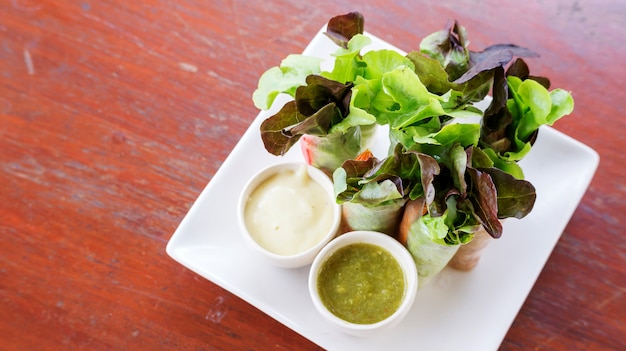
pixel 115 114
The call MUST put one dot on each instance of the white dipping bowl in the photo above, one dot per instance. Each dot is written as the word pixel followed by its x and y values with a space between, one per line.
pixel 307 256
pixel 402 256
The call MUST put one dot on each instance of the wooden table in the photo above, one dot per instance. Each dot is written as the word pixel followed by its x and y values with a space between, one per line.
pixel 114 115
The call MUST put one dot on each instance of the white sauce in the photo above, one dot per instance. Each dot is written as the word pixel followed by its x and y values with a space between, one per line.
pixel 289 212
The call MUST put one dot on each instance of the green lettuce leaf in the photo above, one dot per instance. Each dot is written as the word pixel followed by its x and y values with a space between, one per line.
pixel 379 62
pixel 520 106
pixel 348 63
pixel 449 47
pixel 354 182
pixel 536 106
pixel 431 73
pixel 465 134
pixel 434 228
pixel 509 166
pixel 403 100
pixel 285 78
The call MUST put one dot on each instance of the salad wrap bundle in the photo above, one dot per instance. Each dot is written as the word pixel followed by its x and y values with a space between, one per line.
pixel 322 114
pixel 451 170
pixel 372 192
pixel 521 104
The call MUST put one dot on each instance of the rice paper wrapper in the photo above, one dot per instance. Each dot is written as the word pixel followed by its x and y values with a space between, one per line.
pixel 381 218
pixel 328 152
pixel 468 255
pixel 430 257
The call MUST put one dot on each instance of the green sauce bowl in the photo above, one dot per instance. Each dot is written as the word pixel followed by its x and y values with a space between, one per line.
pixel 362 282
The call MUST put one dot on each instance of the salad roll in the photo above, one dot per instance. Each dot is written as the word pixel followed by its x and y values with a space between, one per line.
pixel 521 105
pixel 371 193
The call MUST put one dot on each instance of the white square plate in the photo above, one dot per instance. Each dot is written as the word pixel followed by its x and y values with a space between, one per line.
pixel 456 311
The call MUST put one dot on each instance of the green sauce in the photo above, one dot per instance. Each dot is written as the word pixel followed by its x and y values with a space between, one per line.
pixel 361 283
